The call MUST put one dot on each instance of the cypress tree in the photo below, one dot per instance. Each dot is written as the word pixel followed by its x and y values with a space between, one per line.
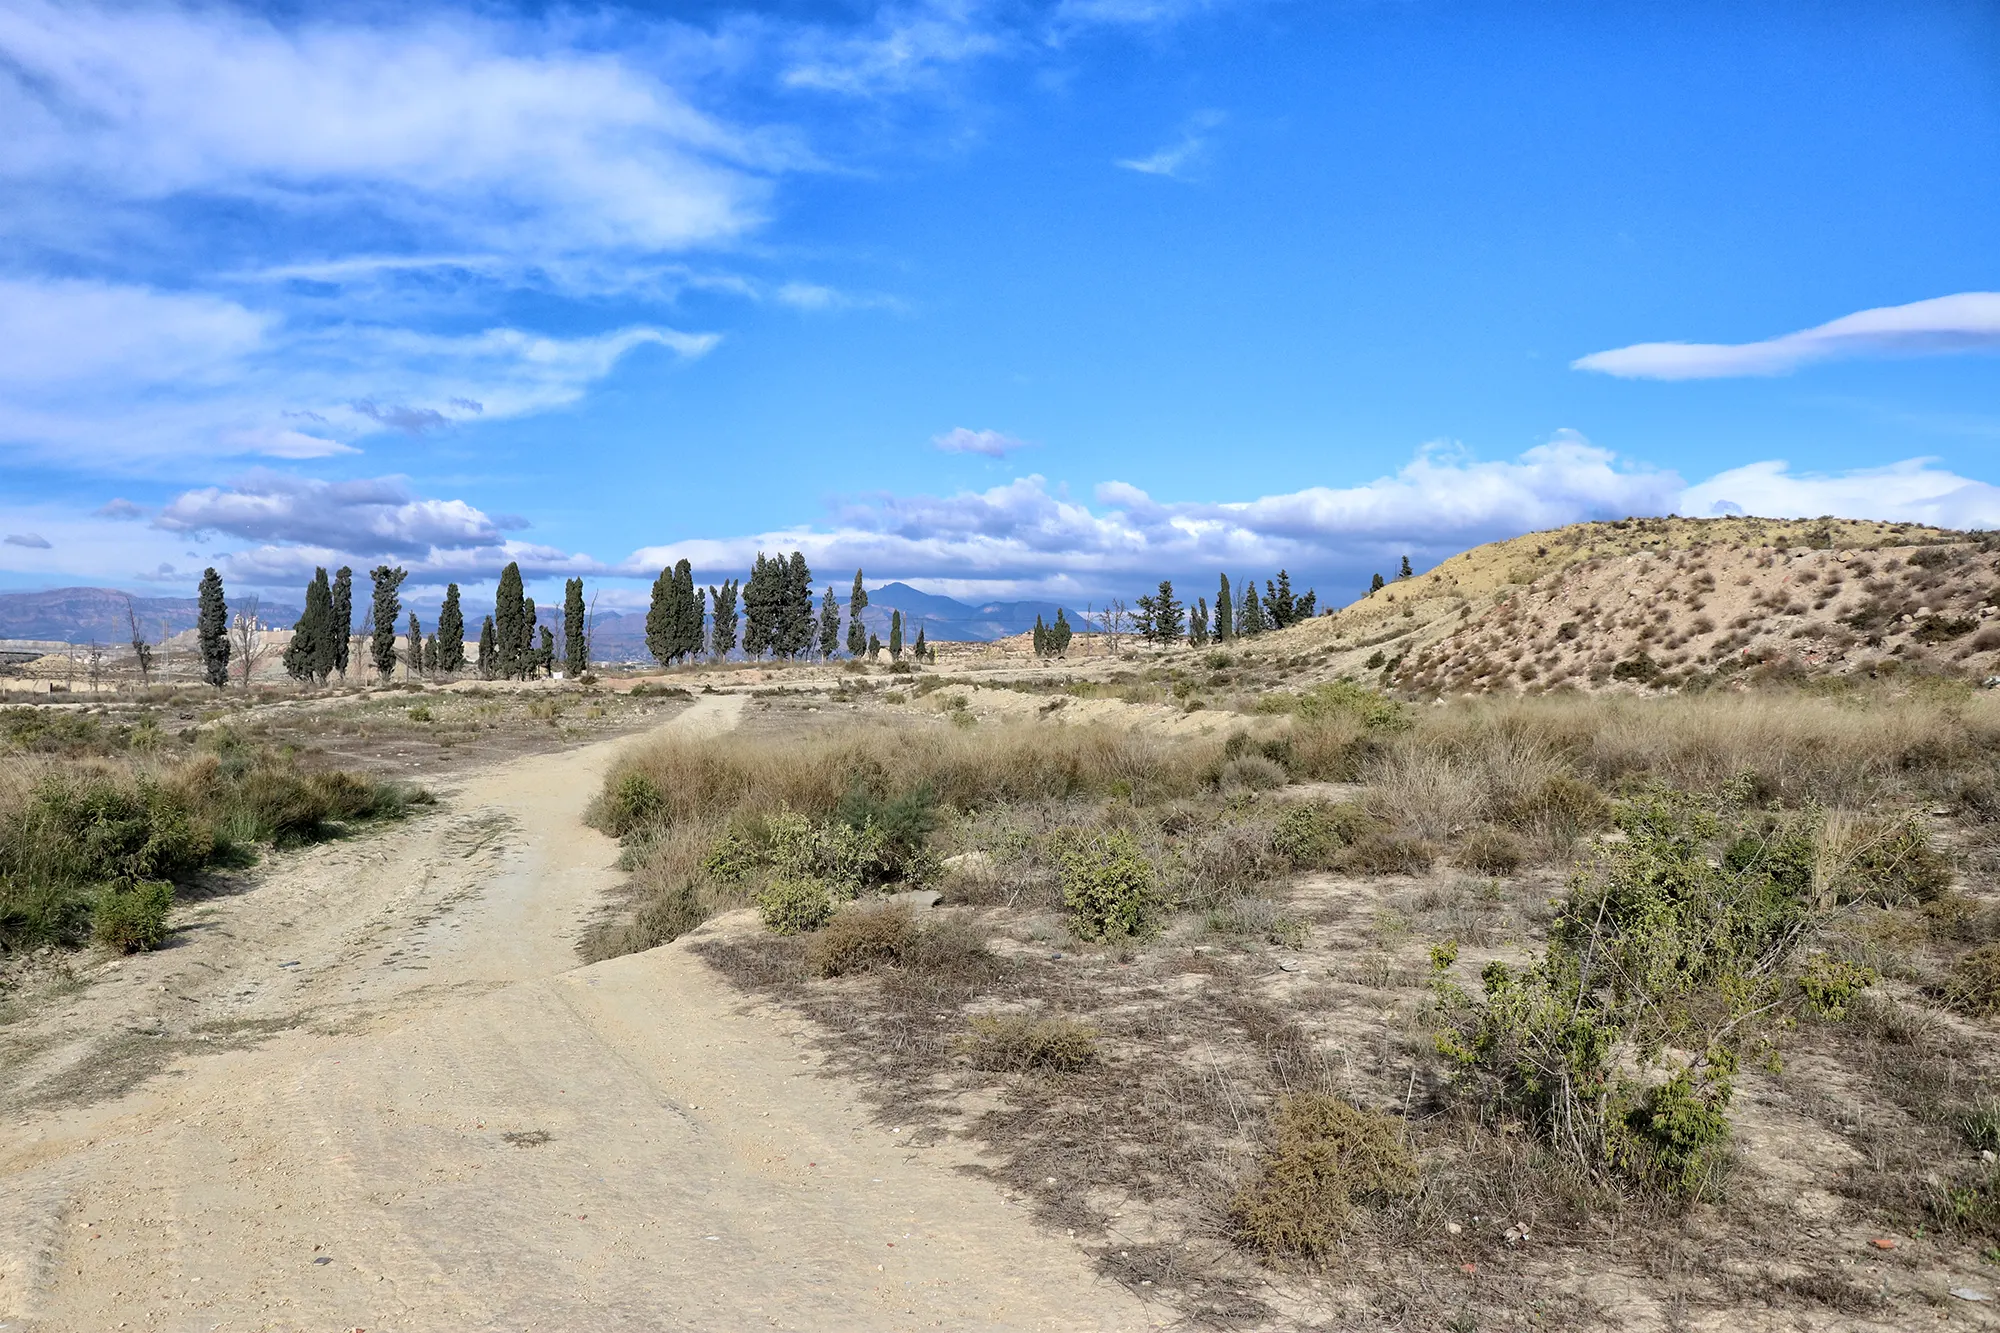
pixel 660 619
pixel 545 656
pixel 212 628
pixel 530 656
pixel 1198 623
pixel 797 616
pixel 384 611
pixel 1375 584
pixel 857 633
pixel 451 633
pixel 1279 608
pixel 722 619
pixel 431 655
pixel 1225 618
pixel 895 636
pixel 686 618
pixel 413 651
pixel 1041 639
pixel 1406 572
pixel 1308 605
pixel 489 650
pixel 312 635
pixel 510 624
pixel 757 609
pixel 921 647
pixel 343 617
pixel 1059 635
pixel 575 660
pixel 874 647
pixel 1167 617
pixel 1142 619
pixel 829 626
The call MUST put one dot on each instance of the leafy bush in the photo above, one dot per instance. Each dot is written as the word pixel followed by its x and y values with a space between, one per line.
pixel 1381 852
pixel 1310 833
pixel 792 906
pixel 1327 1157
pixel 1659 944
pixel 1108 887
pixel 1260 918
pixel 1011 1043
pixel 134 918
pixel 633 803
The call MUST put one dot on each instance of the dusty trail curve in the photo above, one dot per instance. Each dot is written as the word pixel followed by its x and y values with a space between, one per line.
pixel 458 1128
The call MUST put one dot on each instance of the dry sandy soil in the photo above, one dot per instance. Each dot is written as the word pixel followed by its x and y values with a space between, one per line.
pixel 373 1090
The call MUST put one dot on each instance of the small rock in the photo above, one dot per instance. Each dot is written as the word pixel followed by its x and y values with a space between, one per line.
pixel 1884 1242
pixel 1453 1227
pixel 917 898
pixel 1289 966
pixel 323 1259
pixel 1968 1294
pixel 974 862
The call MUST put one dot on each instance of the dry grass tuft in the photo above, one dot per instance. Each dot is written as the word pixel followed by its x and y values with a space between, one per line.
pixel 1012 1043
pixel 860 938
pixel 1328 1156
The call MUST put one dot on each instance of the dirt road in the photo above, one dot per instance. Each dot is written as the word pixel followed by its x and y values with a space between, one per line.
pixel 398 1104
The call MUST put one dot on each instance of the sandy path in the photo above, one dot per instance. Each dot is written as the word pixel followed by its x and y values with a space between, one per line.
pixel 674 1161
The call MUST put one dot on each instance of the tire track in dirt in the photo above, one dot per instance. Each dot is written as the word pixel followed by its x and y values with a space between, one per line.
pixel 465 1130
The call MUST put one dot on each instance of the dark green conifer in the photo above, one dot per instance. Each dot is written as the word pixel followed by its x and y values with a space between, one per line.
pixel 1308 605
pixel 874 647
pixel 920 647
pixel 895 636
pixel 309 656
pixel 1167 615
pixel 451 633
pixel 343 617
pixel 1376 584
pixel 1250 614
pixel 660 619
pixel 796 619
pixel 857 633
pixel 431 655
pixel 510 624
pixel 1198 623
pixel 413 650
pixel 576 661
pixel 723 618
pixel 383 613
pixel 829 626
pixel 1406 572
pixel 1059 635
pixel 1279 607
pixel 489 650
pixel 212 629
pixel 1225 613
pixel 1041 637
pixel 530 656
pixel 758 607
pixel 545 656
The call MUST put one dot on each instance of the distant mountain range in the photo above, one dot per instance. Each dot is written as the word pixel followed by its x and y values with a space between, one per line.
pixel 98 615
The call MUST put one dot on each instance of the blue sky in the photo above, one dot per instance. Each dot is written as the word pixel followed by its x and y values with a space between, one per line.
pixel 1003 299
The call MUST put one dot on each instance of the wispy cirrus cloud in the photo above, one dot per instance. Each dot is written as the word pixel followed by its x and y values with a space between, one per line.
pixel 1966 322
pixel 1180 159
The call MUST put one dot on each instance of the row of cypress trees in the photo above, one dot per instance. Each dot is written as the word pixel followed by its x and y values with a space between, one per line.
pixel 684 621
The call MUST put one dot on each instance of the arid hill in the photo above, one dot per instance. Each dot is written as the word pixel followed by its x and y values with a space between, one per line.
pixel 1674 603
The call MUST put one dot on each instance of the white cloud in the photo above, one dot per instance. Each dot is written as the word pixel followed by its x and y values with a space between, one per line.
pixel 1178 159
pixel 34 541
pixel 907 46
pixel 375 514
pixel 991 443
pixel 514 138
pixel 121 509
pixel 1966 322
pixel 106 375
pixel 1912 491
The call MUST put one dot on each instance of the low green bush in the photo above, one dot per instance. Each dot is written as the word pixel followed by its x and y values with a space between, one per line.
pixel 794 906
pixel 1109 888
pixel 1309 834
pixel 130 919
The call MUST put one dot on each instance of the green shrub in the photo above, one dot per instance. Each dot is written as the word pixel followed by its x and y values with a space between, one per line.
pixel 793 906
pixel 134 918
pixel 1327 1156
pixel 1108 887
pixel 1011 1043
pixel 1677 1137
pixel 1310 833
pixel 1899 862
pixel 634 803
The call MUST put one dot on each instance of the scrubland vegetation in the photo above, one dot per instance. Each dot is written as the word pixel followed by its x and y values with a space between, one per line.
pixel 99 822
pixel 1392 995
